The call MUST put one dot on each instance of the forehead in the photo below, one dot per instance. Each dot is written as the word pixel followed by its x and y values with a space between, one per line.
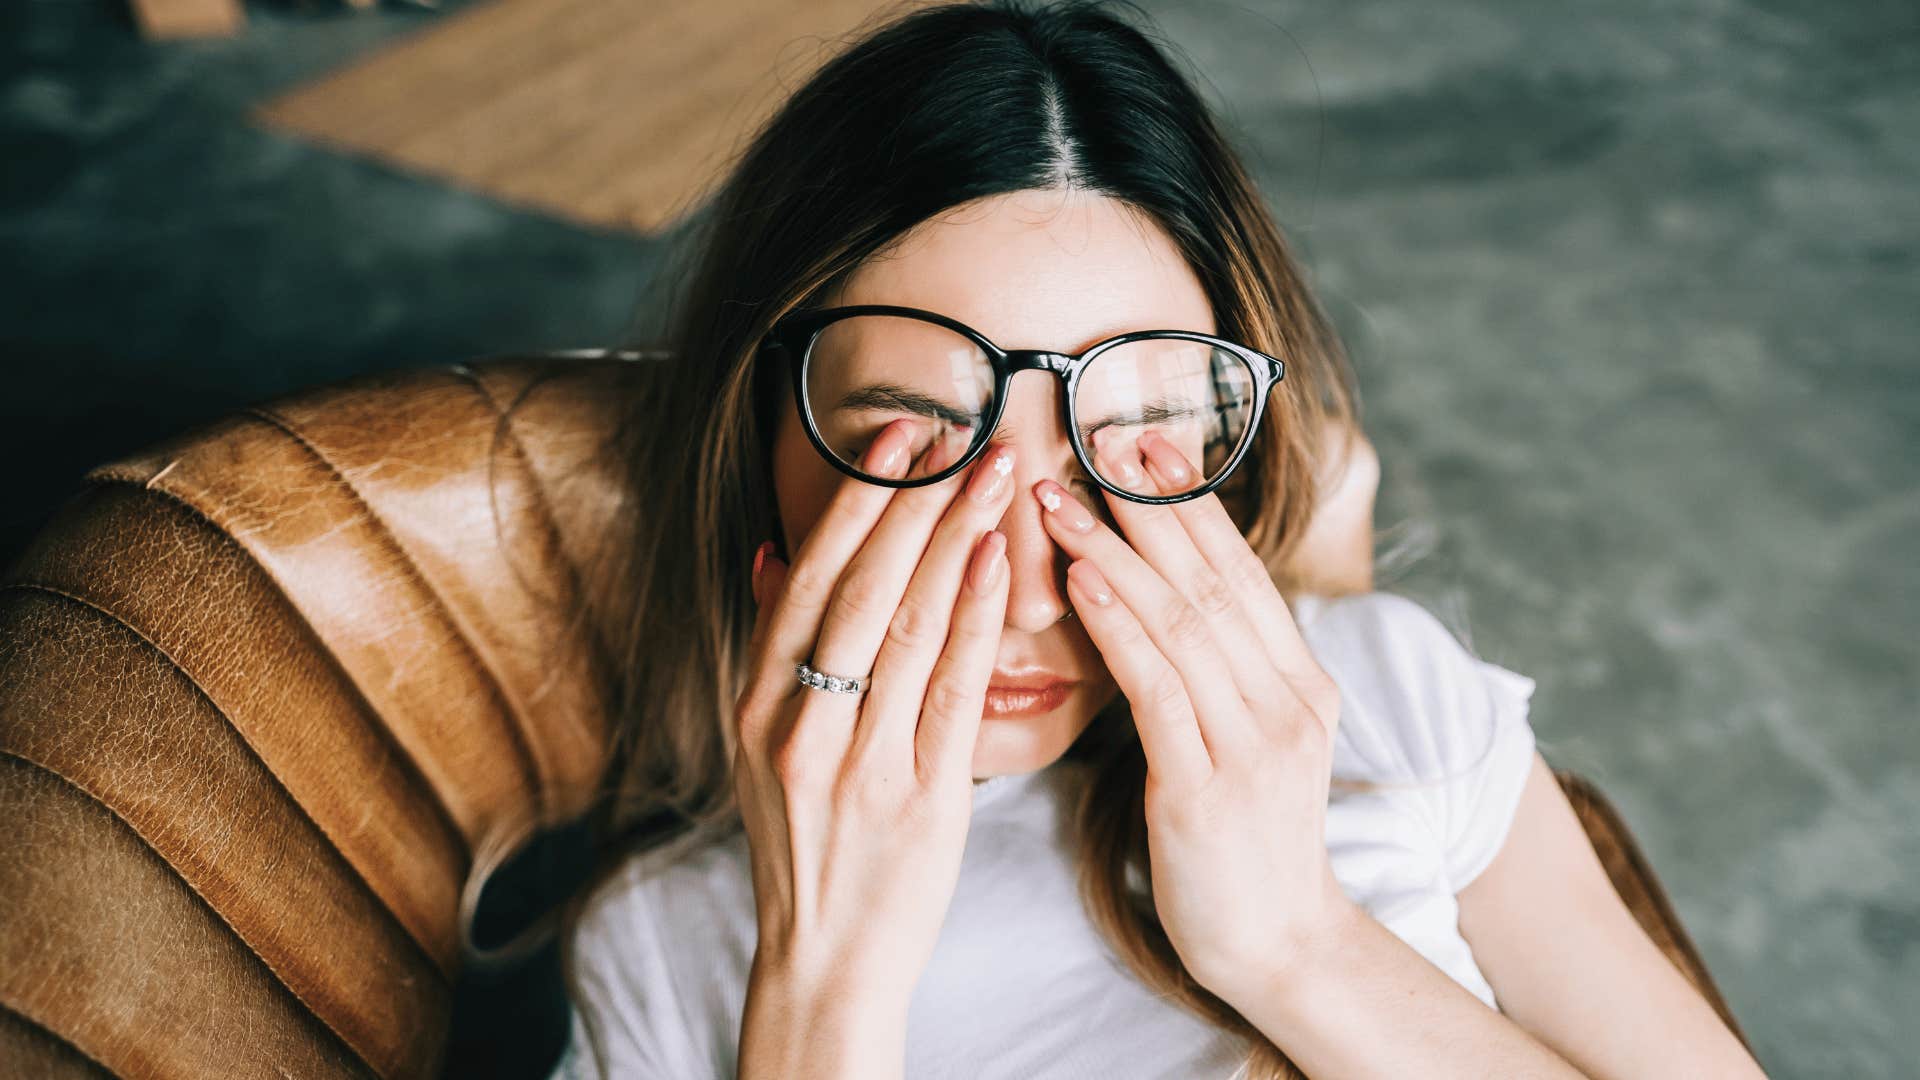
pixel 1055 270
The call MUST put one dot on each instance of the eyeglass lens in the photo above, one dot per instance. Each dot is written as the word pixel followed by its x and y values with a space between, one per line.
pixel 866 371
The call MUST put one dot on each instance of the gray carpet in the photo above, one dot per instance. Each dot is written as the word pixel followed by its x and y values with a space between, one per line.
pixel 1630 289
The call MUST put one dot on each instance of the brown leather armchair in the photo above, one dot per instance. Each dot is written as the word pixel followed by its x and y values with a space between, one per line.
pixel 276 693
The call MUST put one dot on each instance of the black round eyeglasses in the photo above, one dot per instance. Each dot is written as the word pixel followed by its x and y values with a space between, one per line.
pixel 857 368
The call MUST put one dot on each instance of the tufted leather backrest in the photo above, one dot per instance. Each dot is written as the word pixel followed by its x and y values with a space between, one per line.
pixel 271 695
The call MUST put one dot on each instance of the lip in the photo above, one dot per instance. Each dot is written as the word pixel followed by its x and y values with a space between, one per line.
pixel 1028 678
pixel 1026 681
pixel 1031 696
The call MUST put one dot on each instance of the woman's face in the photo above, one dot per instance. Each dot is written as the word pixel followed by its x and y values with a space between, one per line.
pixel 1039 269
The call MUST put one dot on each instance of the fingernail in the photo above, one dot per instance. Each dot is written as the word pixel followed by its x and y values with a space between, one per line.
pixel 759 560
pixel 1063 506
pixel 1165 458
pixel 888 453
pixel 1091 582
pixel 939 454
pixel 1124 467
pixel 984 569
pixel 990 475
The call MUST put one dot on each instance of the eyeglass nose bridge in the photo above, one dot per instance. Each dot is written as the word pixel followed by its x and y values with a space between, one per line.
pixel 1038 360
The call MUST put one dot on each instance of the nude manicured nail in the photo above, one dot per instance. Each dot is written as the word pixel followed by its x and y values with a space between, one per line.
pixel 1165 458
pixel 1063 506
pixel 984 569
pixel 1118 461
pixel 888 453
pixel 990 475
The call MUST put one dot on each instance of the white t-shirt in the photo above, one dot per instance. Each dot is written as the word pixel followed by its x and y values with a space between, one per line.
pixel 1020 984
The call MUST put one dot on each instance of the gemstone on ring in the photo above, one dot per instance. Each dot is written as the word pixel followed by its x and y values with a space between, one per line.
pixel 820 680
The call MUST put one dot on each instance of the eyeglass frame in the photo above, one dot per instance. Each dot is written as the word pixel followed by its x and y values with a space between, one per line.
pixel 796 332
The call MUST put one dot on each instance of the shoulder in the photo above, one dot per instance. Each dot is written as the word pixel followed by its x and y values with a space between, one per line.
pixel 1425 706
pixel 1419 708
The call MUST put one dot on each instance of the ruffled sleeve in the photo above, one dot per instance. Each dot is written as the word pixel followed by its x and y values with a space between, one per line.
pixel 1425 711
pixel 1481 801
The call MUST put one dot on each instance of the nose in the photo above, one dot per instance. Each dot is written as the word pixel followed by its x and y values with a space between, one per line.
pixel 1036 566
pixel 1034 426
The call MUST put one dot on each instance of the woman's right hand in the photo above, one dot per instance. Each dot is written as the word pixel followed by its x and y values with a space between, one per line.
pixel 856 806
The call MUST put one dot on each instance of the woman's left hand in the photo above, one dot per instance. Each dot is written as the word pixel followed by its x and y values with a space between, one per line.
pixel 1235 716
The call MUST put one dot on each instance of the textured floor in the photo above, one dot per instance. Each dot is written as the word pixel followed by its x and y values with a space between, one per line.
pixel 1630 288
pixel 532 126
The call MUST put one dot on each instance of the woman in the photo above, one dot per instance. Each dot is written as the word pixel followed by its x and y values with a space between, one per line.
pixel 1018 753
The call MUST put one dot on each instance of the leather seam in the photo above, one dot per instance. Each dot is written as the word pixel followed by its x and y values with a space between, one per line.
pixel 219 916
pixel 602 648
pixel 353 872
pixel 449 825
pixel 504 435
pixel 14 1010
pixel 530 773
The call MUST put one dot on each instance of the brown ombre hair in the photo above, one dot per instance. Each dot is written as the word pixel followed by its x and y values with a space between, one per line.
pixel 928 109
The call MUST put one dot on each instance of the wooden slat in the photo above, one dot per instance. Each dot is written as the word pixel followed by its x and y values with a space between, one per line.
pixel 614 113
pixel 159 19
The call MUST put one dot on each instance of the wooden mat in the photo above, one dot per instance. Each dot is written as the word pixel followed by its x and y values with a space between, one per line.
pixel 614 113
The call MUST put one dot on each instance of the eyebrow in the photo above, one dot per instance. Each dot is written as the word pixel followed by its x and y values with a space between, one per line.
pixel 1156 412
pixel 894 397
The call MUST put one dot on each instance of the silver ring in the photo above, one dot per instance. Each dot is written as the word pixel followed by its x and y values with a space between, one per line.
pixel 838 684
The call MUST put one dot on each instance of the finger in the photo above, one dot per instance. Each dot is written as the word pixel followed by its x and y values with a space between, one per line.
pixel 1220 541
pixel 768 577
pixel 919 628
pixel 1162 711
pixel 957 687
pixel 809 580
pixel 1161 537
pixel 762 613
pixel 1175 626
pixel 869 591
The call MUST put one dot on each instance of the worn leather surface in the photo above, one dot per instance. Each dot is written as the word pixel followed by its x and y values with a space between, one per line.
pixel 271 692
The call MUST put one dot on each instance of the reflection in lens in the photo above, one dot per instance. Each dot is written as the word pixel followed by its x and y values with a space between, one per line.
pixel 1195 395
pixel 866 371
